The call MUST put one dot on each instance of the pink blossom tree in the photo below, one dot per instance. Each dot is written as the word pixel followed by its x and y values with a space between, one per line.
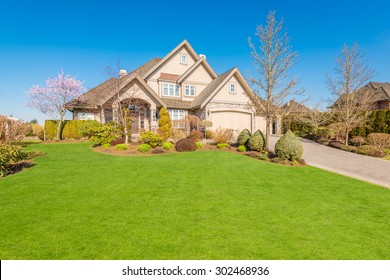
pixel 54 98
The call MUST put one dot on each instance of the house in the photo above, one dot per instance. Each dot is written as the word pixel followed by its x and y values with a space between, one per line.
pixel 377 94
pixel 185 84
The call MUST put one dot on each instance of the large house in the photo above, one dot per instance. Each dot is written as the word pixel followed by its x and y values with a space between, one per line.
pixel 377 94
pixel 185 84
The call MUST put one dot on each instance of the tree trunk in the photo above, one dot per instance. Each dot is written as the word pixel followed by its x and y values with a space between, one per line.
pixel 267 134
pixel 346 136
pixel 59 130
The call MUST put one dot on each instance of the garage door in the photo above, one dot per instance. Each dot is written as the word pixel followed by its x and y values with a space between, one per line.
pixel 234 120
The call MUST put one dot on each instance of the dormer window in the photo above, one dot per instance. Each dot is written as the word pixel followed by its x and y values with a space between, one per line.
pixel 189 90
pixel 232 88
pixel 183 59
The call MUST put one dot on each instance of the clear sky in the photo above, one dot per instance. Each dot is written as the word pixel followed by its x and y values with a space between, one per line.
pixel 38 38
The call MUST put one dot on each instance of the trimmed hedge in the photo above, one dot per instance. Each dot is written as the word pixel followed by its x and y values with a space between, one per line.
pixel 70 129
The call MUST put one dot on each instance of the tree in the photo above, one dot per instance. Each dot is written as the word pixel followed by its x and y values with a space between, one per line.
pixel 52 99
pixel 351 73
pixel 315 117
pixel 124 114
pixel 164 124
pixel 272 62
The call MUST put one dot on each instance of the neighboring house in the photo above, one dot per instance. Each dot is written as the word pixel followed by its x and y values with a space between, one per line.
pixel 184 83
pixel 378 94
pixel 6 125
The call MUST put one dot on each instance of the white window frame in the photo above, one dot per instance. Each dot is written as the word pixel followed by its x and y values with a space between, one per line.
pixel 183 59
pixel 177 116
pixel 170 90
pixel 234 89
pixel 189 90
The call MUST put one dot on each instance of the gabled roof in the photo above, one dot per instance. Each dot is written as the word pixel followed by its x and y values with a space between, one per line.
pixel 177 103
pixel 125 81
pixel 202 61
pixel 212 89
pixel 294 107
pixel 382 90
pixel 147 66
pixel 169 55
pixel 169 77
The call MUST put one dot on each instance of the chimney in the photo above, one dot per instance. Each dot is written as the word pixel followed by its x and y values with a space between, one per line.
pixel 122 73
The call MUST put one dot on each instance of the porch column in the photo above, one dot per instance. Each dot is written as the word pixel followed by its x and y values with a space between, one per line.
pixel 102 116
pixel 153 120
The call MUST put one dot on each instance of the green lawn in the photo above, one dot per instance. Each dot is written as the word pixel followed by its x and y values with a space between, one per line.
pixel 78 204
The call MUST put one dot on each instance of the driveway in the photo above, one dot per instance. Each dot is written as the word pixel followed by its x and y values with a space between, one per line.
pixel 361 167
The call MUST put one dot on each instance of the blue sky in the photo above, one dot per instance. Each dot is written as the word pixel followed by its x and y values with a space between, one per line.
pixel 38 38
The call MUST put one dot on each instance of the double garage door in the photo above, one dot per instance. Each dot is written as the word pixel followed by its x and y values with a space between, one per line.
pixel 234 120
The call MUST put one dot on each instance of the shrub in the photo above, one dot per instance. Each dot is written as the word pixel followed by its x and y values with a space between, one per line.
pixel 222 135
pixel 222 145
pixel 199 145
pixel 121 147
pixel 117 141
pixel 289 147
pixel 195 135
pixel 208 134
pixel 241 148
pixel 379 139
pixel 151 138
pixel 335 144
pixel 263 156
pixel 144 148
pixel 106 146
pixel 9 155
pixel 185 145
pixel 37 130
pixel 50 129
pixel 178 134
pixel 101 133
pixel 164 124
pixel 371 151
pixel 243 137
pixel 158 150
pixel 357 141
pixel 256 142
pixel 167 145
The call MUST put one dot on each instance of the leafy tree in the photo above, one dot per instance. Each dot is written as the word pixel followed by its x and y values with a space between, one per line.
pixel 53 98
pixel 272 62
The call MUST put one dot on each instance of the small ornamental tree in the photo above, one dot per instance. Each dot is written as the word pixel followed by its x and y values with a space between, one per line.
pixel 256 142
pixel 52 99
pixel 164 124
pixel 289 147
pixel 243 137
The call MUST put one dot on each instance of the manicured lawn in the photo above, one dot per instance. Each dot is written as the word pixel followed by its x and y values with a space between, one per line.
pixel 78 204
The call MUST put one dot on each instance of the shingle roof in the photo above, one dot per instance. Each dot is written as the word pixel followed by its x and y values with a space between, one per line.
pixel 169 77
pixel 382 90
pixel 146 67
pixel 210 89
pixel 177 103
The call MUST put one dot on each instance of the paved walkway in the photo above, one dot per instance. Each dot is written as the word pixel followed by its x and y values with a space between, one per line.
pixel 361 167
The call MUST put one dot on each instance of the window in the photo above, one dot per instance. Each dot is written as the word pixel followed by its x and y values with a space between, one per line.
pixel 232 87
pixel 177 118
pixel 183 59
pixel 189 90
pixel 85 116
pixel 170 89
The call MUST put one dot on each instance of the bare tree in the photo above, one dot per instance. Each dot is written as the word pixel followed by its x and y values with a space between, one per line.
pixel 315 117
pixel 351 73
pixel 272 62
pixel 123 111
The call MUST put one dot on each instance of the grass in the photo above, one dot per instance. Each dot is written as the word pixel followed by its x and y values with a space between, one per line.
pixel 78 204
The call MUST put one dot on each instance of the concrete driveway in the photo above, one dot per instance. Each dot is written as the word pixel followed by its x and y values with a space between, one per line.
pixel 361 167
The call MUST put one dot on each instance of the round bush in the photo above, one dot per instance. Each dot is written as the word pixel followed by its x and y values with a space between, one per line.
pixel 241 148
pixel 167 145
pixel 289 147
pixel 121 147
pixel 185 145
pixel 144 148
pixel 222 145
pixel 106 146
pixel 256 142
pixel 199 145
pixel 195 135
pixel 243 137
